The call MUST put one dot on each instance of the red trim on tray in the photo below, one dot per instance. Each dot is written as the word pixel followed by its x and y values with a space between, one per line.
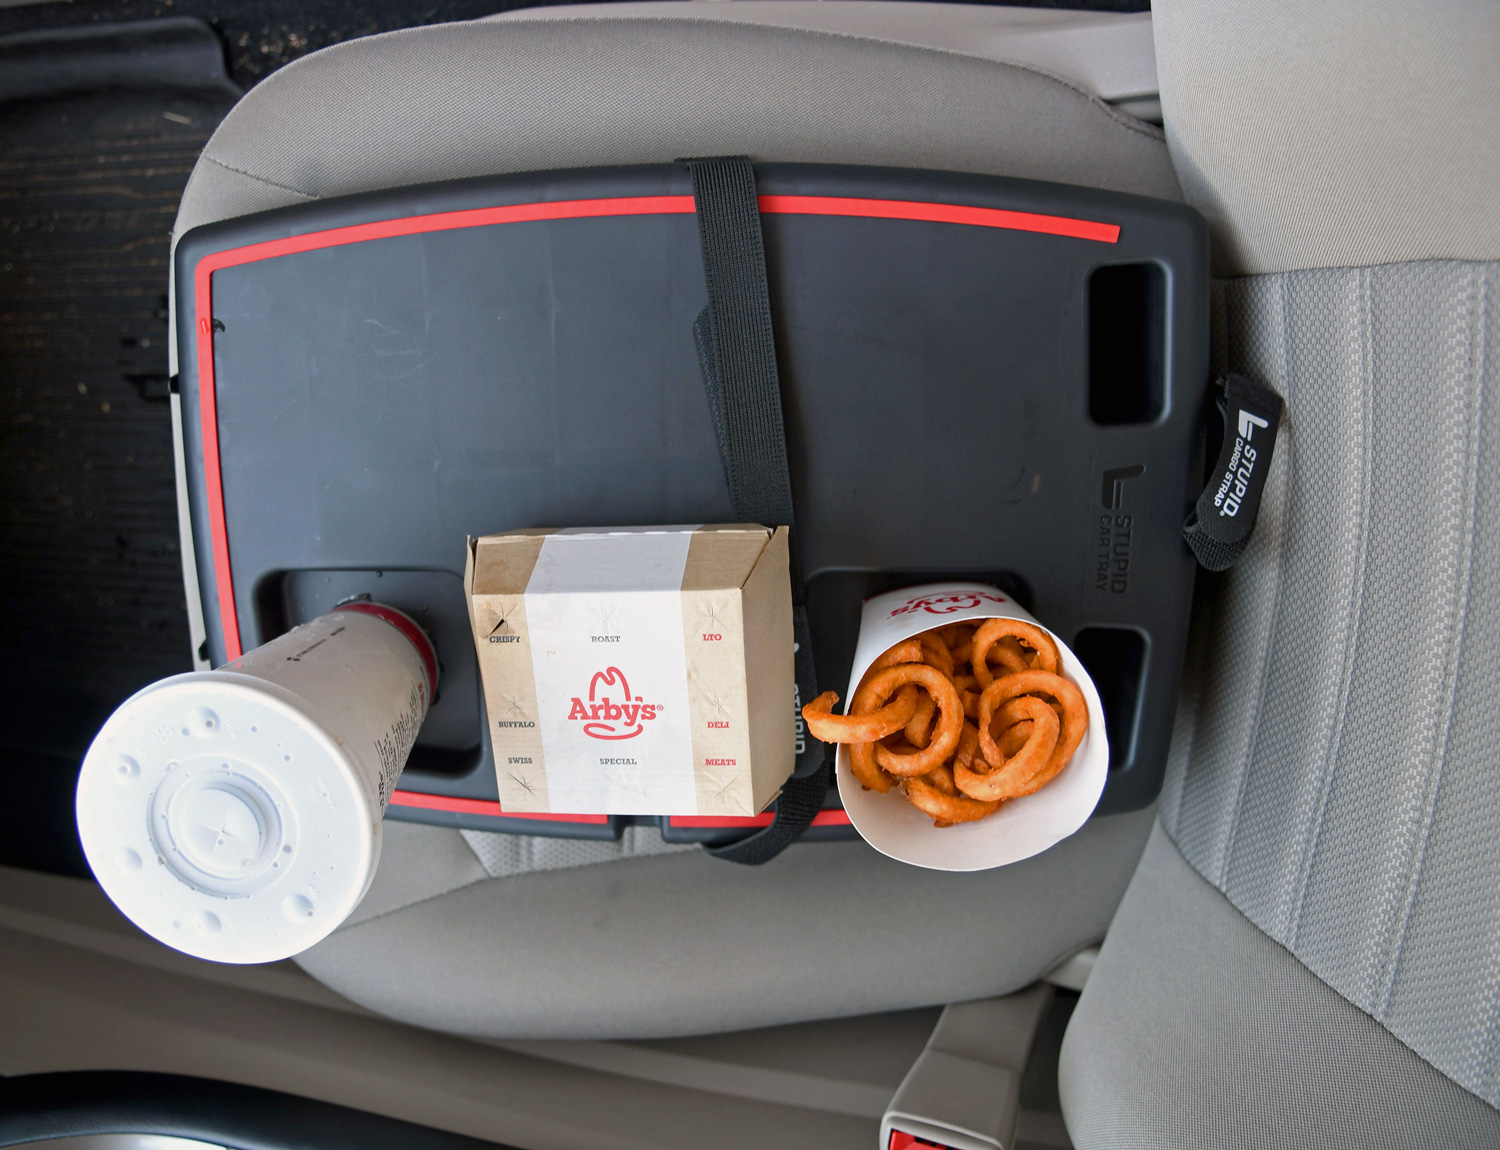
pixel 494 810
pixel 484 807
pixel 527 213
pixel 941 214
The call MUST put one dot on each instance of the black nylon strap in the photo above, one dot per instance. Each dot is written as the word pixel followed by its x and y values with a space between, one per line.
pixel 796 807
pixel 810 752
pixel 743 345
pixel 737 349
pixel 1219 526
pixel 703 337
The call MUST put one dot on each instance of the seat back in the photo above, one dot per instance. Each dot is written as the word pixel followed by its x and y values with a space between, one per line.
pixel 1335 765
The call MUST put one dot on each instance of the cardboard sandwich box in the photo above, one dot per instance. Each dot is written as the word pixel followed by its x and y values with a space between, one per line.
pixel 643 670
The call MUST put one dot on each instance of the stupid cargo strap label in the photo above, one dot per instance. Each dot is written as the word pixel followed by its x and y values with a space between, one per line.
pixel 1219 526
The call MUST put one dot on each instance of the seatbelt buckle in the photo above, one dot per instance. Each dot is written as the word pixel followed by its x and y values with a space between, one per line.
pixel 901 1140
pixel 964 1090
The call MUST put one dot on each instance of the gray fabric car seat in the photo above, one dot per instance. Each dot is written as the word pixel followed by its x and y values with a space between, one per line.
pixel 1309 954
pixel 489 937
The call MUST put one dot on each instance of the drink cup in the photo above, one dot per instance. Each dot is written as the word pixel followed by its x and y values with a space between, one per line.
pixel 235 814
pixel 1021 827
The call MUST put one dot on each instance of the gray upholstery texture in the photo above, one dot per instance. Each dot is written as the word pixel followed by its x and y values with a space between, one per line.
pixel 504 856
pixel 416 863
pixel 1337 766
pixel 1335 134
pixel 1110 54
pixel 1196 1029
pixel 1317 960
pixel 527 94
pixel 685 944
pixel 420 862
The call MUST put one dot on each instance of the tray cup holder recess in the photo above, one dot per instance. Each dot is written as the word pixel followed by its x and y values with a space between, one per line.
pixel 451 740
pixel 1116 660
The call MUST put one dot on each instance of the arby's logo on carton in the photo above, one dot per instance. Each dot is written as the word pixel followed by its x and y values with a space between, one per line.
pixel 602 717
pixel 945 604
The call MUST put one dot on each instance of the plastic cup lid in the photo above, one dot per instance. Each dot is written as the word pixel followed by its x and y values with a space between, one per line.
pixel 221 819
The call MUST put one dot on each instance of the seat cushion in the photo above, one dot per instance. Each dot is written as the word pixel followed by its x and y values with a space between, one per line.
pixel 1336 767
pixel 1198 1029
pixel 1108 54
pixel 685 944
pixel 524 94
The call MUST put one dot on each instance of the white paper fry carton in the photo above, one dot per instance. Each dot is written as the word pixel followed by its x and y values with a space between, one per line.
pixel 1022 827
pixel 641 671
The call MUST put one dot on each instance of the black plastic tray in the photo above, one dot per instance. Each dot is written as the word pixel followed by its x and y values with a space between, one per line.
pixel 983 378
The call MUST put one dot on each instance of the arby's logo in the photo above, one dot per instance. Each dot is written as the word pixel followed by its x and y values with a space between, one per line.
pixel 602 717
pixel 945 604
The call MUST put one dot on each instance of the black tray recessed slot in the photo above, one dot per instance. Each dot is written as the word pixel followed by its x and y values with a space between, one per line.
pixel 1115 658
pixel 836 598
pixel 449 742
pixel 426 759
pixel 271 617
pixel 1127 343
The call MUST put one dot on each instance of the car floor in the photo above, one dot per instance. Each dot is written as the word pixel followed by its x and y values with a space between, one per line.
pixel 93 580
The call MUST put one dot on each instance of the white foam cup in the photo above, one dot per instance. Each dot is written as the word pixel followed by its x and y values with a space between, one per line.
pixel 1021 827
pixel 235 814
